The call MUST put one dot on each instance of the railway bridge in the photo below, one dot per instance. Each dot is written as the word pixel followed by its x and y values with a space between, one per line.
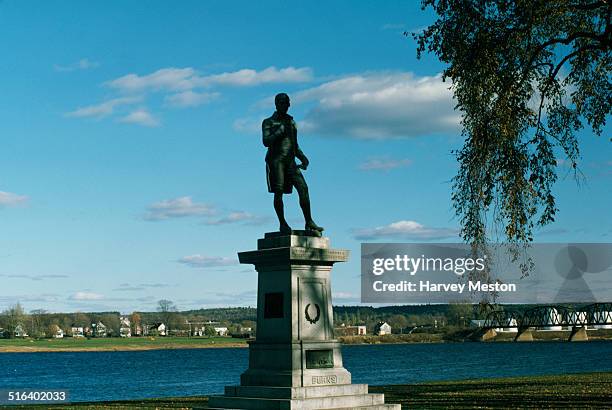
pixel 551 317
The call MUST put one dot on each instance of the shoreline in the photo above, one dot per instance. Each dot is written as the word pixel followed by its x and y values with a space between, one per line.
pixel 129 345
pixel 116 344
pixel 26 349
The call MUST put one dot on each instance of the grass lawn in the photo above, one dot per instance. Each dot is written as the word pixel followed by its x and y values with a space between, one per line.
pixel 115 343
pixel 147 343
pixel 589 390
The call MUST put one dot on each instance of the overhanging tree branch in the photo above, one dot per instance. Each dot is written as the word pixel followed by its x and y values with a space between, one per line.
pixel 498 59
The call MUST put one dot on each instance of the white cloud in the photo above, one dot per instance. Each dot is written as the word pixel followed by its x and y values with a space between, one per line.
pixel 345 297
pixel 173 79
pixel 185 207
pixel 11 199
pixel 189 99
pixel 178 208
pixel 86 296
pixel 380 105
pixel 248 125
pixel 34 298
pixel 200 261
pixel 183 79
pixel 237 217
pixel 35 277
pixel 141 117
pixel 181 88
pixel 384 164
pixel 154 285
pixel 124 287
pixel 405 230
pixel 103 109
pixel 82 64
pixel 250 77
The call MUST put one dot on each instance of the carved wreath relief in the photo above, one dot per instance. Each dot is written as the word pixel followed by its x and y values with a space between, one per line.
pixel 317 315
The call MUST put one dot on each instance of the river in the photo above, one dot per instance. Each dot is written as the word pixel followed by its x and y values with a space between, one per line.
pixel 103 376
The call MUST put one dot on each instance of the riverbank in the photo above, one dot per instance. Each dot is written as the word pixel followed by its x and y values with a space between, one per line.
pixel 155 343
pixel 590 390
pixel 116 344
pixel 468 335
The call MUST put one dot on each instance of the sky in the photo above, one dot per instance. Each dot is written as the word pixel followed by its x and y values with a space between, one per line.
pixel 131 162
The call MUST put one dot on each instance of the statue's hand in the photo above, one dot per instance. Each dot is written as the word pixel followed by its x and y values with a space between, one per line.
pixel 304 164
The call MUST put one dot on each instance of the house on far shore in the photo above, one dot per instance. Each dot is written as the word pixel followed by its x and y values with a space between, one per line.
pixel 98 329
pixel 20 331
pixel 77 331
pixel 56 332
pixel 382 328
pixel 156 329
pixel 125 330
pixel 221 331
pixel 243 332
pixel 345 330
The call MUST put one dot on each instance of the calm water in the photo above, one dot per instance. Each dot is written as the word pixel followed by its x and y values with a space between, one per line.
pixel 92 376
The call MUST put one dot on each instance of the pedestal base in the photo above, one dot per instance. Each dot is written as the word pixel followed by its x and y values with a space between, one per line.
pixel 295 362
pixel 348 396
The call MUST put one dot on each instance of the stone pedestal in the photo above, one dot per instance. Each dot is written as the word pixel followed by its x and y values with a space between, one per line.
pixel 295 362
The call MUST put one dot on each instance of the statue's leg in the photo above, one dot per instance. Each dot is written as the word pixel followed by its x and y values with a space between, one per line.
pixel 276 180
pixel 302 189
pixel 280 212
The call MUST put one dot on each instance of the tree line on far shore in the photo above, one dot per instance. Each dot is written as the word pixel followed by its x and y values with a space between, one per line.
pixel 432 318
pixel 39 323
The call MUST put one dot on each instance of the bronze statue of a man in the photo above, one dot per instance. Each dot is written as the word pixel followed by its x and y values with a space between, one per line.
pixel 282 173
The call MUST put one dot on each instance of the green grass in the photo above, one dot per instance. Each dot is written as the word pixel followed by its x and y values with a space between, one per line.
pixel 144 343
pixel 115 343
pixel 589 390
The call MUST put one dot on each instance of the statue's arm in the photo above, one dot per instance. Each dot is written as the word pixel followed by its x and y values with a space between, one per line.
pixel 301 156
pixel 298 151
pixel 269 133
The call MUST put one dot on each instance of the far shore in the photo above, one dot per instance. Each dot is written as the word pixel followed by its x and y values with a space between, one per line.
pixel 116 344
pixel 34 349
pixel 69 344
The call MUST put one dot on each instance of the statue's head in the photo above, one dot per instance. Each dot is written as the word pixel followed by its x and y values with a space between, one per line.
pixel 282 103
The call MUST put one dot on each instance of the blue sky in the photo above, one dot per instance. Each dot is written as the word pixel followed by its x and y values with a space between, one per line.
pixel 132 168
